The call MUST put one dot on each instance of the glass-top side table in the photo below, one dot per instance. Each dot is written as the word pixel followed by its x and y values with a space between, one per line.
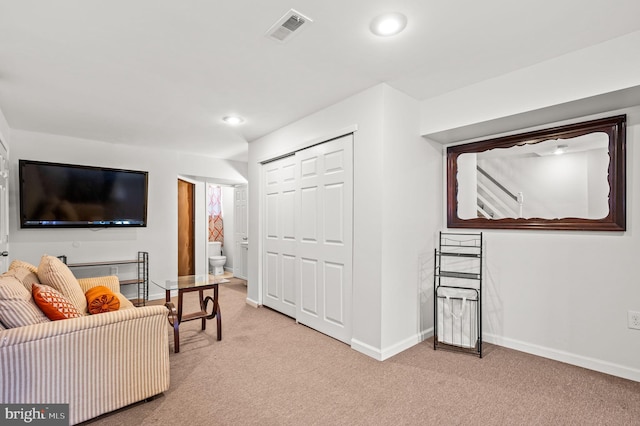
pixel 185 284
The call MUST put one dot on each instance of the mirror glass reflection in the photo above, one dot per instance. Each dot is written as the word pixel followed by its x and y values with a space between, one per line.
pixel 550 179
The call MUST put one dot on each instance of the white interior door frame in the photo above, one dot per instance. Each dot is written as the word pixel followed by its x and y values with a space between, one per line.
pixel 240 231
pixel 279 238
pixel 4 207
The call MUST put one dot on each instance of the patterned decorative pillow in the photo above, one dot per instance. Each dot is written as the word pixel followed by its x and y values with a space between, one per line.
pixel 54 273
pixel 17 308
pixel 100 299
pixel 54 305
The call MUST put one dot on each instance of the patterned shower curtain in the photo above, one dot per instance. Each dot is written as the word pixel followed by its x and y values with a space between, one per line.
pixel 214 209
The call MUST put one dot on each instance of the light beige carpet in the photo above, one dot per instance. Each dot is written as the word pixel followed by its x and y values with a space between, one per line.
pixel 226 275
pixel 268 370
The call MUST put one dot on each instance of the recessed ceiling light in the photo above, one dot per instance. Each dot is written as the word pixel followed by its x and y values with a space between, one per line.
pixel 388 24
pixel 233 120
pixel 561 149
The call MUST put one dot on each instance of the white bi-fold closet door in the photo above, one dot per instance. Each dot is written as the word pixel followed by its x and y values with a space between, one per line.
pixel 307 238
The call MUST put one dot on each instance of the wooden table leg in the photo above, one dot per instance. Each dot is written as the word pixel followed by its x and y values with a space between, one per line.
pixel 219 323
pixel 216 309
pixel 175 323
pixel 203 309
pixel 176 337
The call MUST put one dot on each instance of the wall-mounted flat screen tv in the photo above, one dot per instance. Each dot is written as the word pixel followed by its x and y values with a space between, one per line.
pixel 56 195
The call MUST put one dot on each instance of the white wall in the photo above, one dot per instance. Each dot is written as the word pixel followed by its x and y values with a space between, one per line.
pixel 159 238
pixel 214 170
pixel 608 67
pixel 397 176
pixel 411 203
pixel 563 295
pixel 4 130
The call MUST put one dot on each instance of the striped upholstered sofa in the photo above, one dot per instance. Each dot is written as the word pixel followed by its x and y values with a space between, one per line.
pixel 95 363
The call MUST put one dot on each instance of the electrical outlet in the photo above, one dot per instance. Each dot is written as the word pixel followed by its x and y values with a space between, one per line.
pixel 633 319
pixel 113 270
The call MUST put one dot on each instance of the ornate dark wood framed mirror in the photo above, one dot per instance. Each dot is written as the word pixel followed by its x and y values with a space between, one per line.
pixel 569 177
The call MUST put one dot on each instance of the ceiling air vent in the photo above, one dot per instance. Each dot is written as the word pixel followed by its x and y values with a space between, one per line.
pixel 291 23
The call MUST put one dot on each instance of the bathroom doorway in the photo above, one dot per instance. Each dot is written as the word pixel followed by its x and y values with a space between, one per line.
pixel 225 222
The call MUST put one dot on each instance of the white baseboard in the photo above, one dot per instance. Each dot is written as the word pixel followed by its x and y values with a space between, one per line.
pixel 252 303
pixel 366 349
pixel 425 334
pixel 388 352
pixel 566 357
pixel 554 354
pixel 405 344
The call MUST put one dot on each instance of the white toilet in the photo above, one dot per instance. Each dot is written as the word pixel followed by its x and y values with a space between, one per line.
pixel 216 260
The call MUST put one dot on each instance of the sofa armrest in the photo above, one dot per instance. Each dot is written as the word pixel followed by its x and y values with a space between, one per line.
pixel 96 363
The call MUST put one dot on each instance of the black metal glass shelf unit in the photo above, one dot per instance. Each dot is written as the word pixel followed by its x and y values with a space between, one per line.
pixel 141 280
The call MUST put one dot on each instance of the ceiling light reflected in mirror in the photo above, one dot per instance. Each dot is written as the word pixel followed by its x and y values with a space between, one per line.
pixel 561 149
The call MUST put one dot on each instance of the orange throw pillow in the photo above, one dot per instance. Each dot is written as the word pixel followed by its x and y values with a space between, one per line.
pixel 54 305
pixel 100 299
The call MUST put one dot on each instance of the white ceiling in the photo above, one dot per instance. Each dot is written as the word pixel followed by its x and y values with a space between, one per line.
pixel 164 72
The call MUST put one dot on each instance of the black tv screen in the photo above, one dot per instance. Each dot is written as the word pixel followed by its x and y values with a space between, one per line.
pixel 65 195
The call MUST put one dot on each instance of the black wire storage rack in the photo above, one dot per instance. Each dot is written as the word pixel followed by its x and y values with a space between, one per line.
pixel 457 291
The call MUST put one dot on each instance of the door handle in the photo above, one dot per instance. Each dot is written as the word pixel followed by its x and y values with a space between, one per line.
pixel 4 253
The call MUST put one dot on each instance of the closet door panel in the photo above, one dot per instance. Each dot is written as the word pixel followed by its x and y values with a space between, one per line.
pixel 334 293
pixel 325 241
pixel 279 240
pixel 309 291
